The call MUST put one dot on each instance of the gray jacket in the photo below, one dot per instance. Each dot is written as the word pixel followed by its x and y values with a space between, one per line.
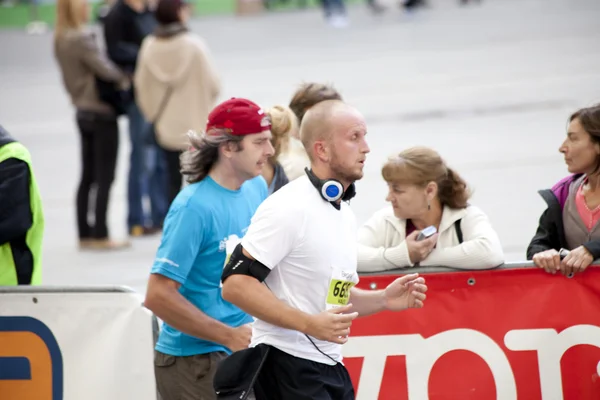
pixel 81 61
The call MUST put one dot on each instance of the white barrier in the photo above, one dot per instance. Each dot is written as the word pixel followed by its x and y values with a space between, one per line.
pixel 92 343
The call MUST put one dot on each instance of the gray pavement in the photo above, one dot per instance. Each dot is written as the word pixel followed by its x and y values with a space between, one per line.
pixel 490 87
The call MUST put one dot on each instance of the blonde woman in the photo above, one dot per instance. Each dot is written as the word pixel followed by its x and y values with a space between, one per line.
pixel 283 122
pixel 81 63
pixel 293 157
pixel 423 192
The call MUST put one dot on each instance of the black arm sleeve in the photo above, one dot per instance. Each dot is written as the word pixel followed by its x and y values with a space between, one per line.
pixel 15 209
pixel 240 264
pixel 545 238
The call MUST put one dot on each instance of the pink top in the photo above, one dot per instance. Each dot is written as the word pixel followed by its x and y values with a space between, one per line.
pixel 589 217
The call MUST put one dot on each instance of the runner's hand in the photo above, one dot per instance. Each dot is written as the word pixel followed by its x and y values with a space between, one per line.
pixel 332 325
pixel 240 338
pixel 405 292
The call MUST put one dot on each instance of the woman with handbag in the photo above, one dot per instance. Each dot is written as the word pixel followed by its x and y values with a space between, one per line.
pixel 176 84
pixel 82 63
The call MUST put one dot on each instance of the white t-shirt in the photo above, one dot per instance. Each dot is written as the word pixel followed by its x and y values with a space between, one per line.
pixel 311 249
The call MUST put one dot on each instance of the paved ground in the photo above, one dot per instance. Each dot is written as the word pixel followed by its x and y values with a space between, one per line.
pixel 490 87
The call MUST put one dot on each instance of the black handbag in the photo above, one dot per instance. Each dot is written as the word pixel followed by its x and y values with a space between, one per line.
pixel 236 375
pixel 109 93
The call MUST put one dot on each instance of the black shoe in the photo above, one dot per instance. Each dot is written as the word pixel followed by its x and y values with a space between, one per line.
pixel 413 4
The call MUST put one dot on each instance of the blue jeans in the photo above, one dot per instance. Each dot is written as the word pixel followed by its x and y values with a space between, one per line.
pixel 333 7
pixel 147 174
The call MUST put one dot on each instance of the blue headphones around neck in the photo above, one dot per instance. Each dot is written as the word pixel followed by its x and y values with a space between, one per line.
pixel 331 189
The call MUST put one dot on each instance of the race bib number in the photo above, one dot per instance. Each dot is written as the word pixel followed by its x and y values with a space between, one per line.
pixel 338 294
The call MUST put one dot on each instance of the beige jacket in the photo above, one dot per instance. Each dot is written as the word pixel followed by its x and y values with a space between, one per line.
pixel 382 245
pixel 80 61
pixel 183 63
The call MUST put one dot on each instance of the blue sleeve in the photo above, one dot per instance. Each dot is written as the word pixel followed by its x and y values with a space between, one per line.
pixel 182 240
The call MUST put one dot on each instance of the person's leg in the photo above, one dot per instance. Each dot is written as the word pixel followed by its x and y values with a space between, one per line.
pixel 340 382
pixel 338 7
pixel 106 149
pixel 87 178
pixel 175 177
pixel 336 13
pixel 158 180
pixel 138 180
pixel 205 385
pixel 327 8
pixel 287 377
pixel 186 378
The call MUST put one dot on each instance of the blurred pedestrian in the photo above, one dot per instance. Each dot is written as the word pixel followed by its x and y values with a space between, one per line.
pixel 125 27
pixel 81 61
pixel 176 85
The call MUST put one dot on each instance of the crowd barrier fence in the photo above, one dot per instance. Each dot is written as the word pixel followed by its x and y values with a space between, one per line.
pixel 507 333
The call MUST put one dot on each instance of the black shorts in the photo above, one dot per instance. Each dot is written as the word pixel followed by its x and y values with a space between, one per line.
pixel 285 377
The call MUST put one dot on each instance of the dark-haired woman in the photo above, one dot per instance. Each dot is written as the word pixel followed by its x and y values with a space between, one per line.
pixel 570 223
pixel 424 192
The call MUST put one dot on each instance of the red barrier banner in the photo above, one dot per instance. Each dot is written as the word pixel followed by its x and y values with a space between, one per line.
pixel 503 334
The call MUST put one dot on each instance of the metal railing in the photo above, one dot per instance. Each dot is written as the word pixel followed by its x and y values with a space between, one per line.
pixel 67 289
pixel 432 269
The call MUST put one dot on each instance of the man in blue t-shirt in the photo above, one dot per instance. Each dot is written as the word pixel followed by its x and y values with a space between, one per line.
pixel 205 223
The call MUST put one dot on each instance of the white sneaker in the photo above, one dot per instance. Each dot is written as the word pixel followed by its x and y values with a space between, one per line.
pixel 338 21
pixel 37 28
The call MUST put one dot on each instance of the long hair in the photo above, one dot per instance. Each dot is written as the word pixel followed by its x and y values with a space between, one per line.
pixel 421 165
pixel 69 15
pixel 283 122
pixel 199 159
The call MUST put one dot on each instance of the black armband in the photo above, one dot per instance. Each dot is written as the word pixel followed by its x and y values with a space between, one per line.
pixel 241 265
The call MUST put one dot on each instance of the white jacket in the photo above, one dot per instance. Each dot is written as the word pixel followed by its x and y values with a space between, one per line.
pixel 381 244
pixel 294 159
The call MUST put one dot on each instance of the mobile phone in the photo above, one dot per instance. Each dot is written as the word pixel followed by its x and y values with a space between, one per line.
pixel 563 253
pixel 426 233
